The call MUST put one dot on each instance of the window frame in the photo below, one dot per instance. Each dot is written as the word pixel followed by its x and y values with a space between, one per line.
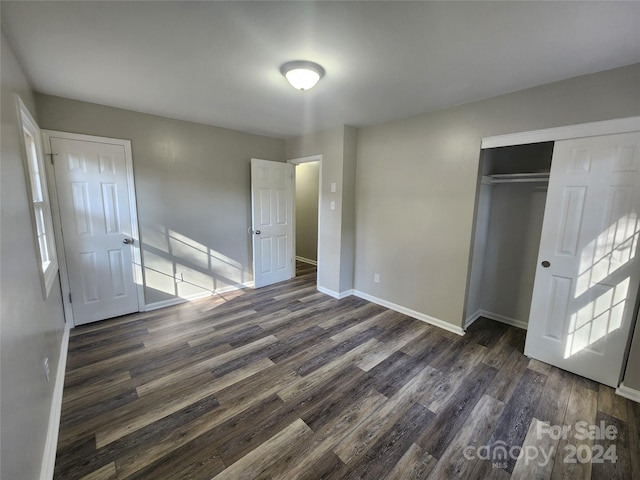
pixel 38 196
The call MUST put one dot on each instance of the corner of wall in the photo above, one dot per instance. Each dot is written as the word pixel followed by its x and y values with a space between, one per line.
pixel 348 241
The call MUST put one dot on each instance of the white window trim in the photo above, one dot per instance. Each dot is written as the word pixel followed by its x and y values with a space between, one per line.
pixel 49 273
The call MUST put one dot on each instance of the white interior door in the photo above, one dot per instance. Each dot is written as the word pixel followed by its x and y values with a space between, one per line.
pixel 272 221
pixel 93 197
pixel 588 270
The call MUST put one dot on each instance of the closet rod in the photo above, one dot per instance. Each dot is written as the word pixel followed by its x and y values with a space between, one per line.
pixel 516 178
pixel 520 180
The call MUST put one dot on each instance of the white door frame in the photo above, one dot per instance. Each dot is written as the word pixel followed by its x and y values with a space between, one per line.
pixel 47 135
pixel 594 129
pixel 298 161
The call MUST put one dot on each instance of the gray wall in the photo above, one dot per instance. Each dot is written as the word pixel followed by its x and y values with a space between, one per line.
pixel 348 227
pixel 193 192
pixel 478 255
pixel 336 235
pixel 511 254
pixel 307 175
pixel 32 328
pixel 417 178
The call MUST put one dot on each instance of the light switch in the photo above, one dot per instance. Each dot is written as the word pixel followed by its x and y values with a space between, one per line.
pixel 333 187
pixel 333 205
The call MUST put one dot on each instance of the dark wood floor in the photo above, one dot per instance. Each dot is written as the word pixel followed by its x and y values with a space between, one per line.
pixel 285 382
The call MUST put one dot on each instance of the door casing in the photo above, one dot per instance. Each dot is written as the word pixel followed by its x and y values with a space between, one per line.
pixel 57 222
pixel 298 161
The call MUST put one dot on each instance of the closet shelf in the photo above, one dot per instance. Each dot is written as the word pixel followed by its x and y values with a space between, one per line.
pixel 516 178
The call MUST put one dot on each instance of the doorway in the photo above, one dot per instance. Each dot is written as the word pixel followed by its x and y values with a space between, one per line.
pixel 510 209
pixel 308 173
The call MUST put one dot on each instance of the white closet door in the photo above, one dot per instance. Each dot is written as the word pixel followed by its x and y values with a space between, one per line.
pixel 588 270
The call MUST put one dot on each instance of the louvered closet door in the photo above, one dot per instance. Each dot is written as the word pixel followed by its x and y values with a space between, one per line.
pixel 588 269
pixel 93 196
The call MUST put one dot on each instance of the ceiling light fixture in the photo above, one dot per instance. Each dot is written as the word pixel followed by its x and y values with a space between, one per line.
pixel 301 74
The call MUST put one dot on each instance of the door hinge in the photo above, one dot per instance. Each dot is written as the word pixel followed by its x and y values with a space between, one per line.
pixel 51 155
pixel 70 301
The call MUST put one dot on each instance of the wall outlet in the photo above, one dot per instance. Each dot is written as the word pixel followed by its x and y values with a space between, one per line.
pixel 178 277
pixel 333 187
pixel 376 277
pixel 45 364
pixel 332 205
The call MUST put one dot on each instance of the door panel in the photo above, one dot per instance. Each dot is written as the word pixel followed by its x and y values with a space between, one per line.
pixel 558 307
pixel 93 196
pixel 111 208
pixel 117 271
pixel 583 302
pixel 272 217
pixel 572 212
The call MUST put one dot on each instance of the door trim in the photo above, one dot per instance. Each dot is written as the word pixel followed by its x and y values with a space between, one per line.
pixel 47 135
pixel 593 129
pixel 298 161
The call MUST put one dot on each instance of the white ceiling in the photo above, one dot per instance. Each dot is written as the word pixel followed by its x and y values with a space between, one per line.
pixel 217 62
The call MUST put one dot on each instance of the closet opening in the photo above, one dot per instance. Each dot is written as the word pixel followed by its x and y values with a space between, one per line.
pixel 510 207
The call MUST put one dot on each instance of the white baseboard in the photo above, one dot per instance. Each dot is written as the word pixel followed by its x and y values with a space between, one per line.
pixel 51 443
pixel 233 288
pixel 175 301
pixel 306 260
pixel 628 392
pixel 412 313
pixel 334 294
pixel 196 296
pixel 472 318
pixel 499 318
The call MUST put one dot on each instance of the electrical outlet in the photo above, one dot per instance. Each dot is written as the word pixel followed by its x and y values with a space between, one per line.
pixel 45 364
pixel 376 277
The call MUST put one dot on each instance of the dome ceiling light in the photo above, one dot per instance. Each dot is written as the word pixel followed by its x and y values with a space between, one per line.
pixel 301 74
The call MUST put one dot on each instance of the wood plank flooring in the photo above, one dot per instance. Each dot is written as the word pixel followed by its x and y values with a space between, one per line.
pixel 287 383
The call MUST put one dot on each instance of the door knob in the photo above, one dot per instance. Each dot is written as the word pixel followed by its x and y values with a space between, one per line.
pixel 545 264
pixel 128 241
pixel 257 232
